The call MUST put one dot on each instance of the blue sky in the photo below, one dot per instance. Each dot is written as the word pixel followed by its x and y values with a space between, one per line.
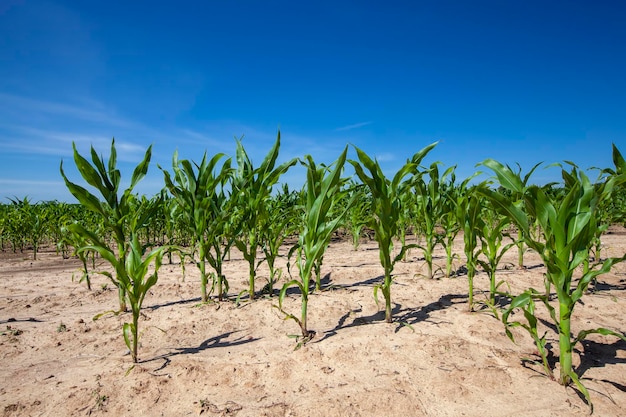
pixel 516 81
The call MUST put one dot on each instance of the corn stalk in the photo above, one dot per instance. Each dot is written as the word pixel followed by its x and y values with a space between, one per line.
pixel 323 192
pixel 115 211
pixel 201 196
pixel 568 229
pixel 450 222
pixel 125 216
pixel 430 205
pixel 469 209
pixel 515 192
pixel 281 222
pixel 386 211
pixel 491 230
pixel 252 188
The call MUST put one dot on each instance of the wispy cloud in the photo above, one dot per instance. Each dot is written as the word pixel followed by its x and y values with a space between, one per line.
pixel 20 107
pixel 385 157
pixel 29 182
pixel 44 127
pixel 352 126
pixel 204 139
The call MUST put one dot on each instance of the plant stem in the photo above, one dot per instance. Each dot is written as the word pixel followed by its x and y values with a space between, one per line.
pixel 204 280
pixel 565 344
pixel 387 294
pixel 521 248
pixel 252 276
pixel 135 330
pixel 470 278
pixel 303 316
pixel 121 294
pixel 492 284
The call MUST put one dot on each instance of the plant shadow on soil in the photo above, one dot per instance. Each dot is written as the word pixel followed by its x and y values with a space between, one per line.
pixel 422 314
pixel 173 303
pixel 603 286
pixel 402 317
pixel 598 355
pixel 14 320
pixel 219 341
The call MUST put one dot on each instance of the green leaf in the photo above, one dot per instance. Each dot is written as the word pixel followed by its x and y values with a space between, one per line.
pixel 582 335
pixel 618 161
pixel 506 177
pixel 127 330
pixel 141 169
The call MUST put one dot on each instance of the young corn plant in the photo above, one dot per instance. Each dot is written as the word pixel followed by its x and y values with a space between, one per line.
pixel 201 196
pixel 515 191
pixel 14 226
pixel 136 278
pixel 450 227
pixel 280 223
pixel 34 222
pixel 406 224
pixel 130 214
pixel 614 210
pixel 78 241
pixel 568 228
pixel 114 210
pixel 450 222
pixel 469 209
pixel 252 188
pixel 386 210
pixel 359 214
pixel 430 205
pixel 491 229
pixel 324 190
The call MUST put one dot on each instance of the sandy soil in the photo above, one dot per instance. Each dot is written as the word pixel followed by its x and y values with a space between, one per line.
pixel 225 360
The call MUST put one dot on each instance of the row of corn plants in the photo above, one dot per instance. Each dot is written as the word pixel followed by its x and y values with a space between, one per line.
pixel 207 208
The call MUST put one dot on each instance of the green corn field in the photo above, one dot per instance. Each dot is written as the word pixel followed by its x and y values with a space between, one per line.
pixel 219 210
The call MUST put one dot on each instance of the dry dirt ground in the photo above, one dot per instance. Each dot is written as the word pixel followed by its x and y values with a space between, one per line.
pixel 220 359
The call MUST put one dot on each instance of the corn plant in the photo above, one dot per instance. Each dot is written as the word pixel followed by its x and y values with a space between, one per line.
pixel 359 214
pixel 115 211
pixel 282 221
pixel 568 228
pixel 430 204
pixel 386 210
pixel 324 190
pixel 56 215
pixel 469 209
pixel 137 279
pixel 616 209
pixel 515 192
pixel 63 214
pixel 125 216
pixel 491 229
pixel 252 188
pixel 202 198
pixel 449 221
pixel 13 226
pixel 34 222
pixel 78 241
pixel 613 211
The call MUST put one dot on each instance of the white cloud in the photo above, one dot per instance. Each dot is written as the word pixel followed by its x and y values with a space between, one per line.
pixel 15 182
pixel 385 157
pixel 352 126
pixel 25 108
